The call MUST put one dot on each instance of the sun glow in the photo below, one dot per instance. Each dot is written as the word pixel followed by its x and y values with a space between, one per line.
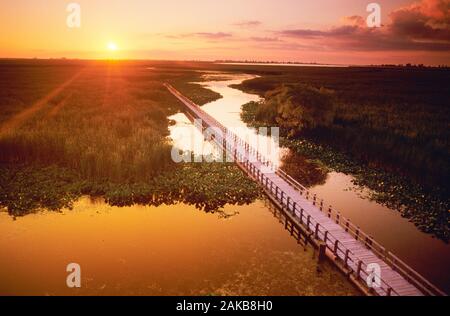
pixel 112 46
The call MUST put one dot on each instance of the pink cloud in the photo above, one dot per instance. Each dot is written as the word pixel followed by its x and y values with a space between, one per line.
pixel 423 26
pixel 248 24
pixel 204 35
pixel 429 20
pixel 264 39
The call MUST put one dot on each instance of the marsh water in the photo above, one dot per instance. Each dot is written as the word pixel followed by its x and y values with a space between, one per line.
pixel 429 256
pixel 166 250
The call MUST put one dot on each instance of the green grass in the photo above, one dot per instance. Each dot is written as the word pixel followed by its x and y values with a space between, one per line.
pixel 99 125
pixel 104 133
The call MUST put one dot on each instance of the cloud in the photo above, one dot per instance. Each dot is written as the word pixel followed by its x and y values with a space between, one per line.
pixel 429 20
pixel 248 24
pixel 208 35
pixel 354 20
pixel 264 39
pixel 340 31
pixel 204 35
pixel 423 26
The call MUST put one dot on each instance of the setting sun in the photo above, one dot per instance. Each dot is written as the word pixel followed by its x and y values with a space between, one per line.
pixel 112 46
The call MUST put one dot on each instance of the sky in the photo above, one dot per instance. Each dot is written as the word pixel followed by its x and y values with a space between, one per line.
pixel 322 31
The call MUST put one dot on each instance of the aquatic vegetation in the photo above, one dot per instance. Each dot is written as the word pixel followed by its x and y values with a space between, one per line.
pixel 26 190
pixel 208 186
pixel 427 209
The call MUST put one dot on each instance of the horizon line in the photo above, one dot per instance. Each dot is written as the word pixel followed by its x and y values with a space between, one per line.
pixel 225 62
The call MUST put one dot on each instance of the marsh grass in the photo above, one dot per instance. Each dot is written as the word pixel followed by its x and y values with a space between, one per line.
pixel 104 133
pixel 396 119
pixel 308 161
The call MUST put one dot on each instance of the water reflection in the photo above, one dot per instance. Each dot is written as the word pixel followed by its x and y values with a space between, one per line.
pixel 307 172
pixel 165 250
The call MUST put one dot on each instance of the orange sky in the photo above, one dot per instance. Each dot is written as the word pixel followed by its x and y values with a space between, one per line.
pixel 325 31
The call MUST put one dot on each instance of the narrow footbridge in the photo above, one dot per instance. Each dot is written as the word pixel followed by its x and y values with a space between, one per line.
pixel 352 250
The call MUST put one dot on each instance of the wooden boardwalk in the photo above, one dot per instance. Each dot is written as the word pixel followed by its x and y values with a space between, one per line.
pixel 353 250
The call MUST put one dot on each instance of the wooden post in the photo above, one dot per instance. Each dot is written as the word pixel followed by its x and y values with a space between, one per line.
pixel 368 242
pixel 329 212
pixel 357 234
pixel 358 271
pixel 314 199
pixel 325 237
pixel 308 222
pixel 347 225
pixel 322 251
pixel 317 231
pixel 338 217
pixel 336 245
pixel 346 257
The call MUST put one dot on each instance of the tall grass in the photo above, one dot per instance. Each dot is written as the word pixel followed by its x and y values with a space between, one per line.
pixel 397 119
pixel 107 128
pixel 103 134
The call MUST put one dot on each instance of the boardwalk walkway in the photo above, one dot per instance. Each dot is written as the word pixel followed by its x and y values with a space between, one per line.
pixel 352 249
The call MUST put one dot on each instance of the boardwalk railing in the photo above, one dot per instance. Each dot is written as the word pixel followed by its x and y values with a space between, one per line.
pixel 251 160
pixel 388 257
